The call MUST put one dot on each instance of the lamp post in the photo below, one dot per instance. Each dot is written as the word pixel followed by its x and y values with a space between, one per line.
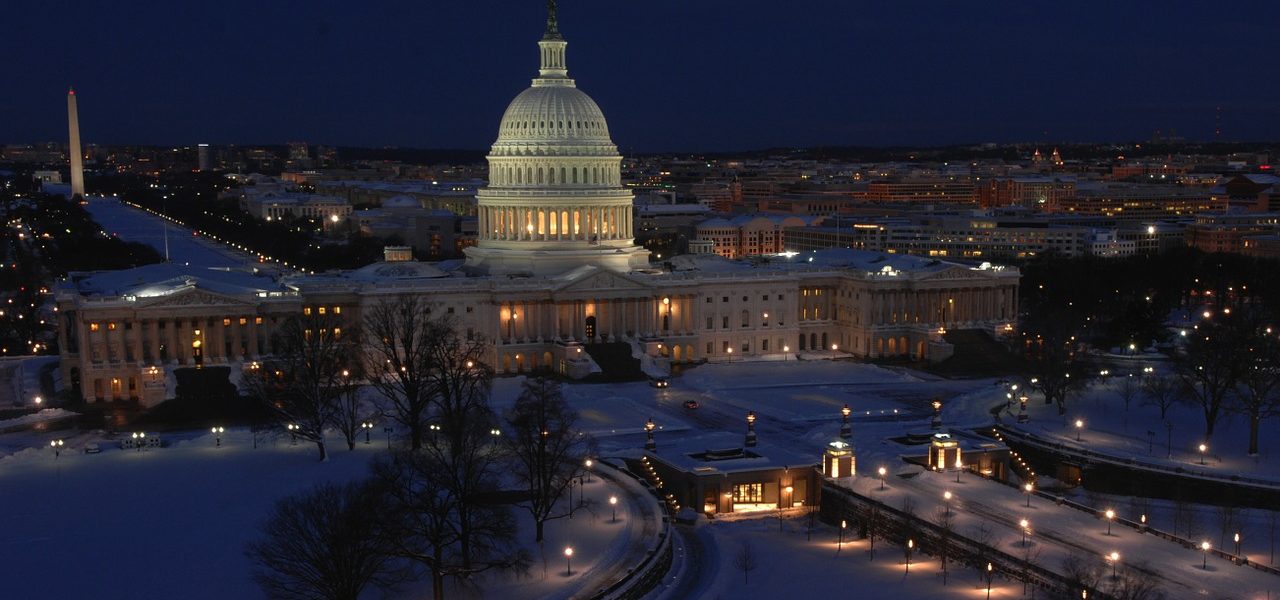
pixel 936 423
pixel 911 545
pixel 511 325
pixel 730 351
pixel 217 436
pixel 588 463
pixel 882 472
pixel 846 431
pixel 368 429
pixel 293 434
pixel 649 444
pixel 1023 417
pixel 1029 488
pixel 1111 516
pixel 568 561
pixel 990 574
pixel 1113 558
pixel 58 443
pixel 1025 525
pixel 840 544
pixel 613 505
pixel 435 431
pixel 666 319
pixel 1204 547
pixel 1079 426
pixel 1237 540
pixel 786 353
pixel 495 434
pixel 751 428
pixel 1203 448
pixel 947 497
pixel 959 466
pixel 139 437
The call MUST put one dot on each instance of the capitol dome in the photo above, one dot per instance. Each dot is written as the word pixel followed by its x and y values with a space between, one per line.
pixel 555 199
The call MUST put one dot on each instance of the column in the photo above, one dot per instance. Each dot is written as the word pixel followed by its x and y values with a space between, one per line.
pixel 253 338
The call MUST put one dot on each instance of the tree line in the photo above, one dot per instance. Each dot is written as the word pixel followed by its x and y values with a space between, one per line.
pixel 441 506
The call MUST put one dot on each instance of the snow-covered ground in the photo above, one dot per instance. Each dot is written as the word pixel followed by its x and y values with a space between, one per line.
pixel 135 225
pixel 173 522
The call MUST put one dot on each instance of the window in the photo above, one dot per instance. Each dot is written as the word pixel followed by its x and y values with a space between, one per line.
pixel 111 326
pixel 746 346
pixel 258 320
pixel 724 299
pixel 748 493
pixel 469 308
pixel 337 332
pixel 710 348
pixel 306 310
pixel 94 326
pixel 450 310
pixel 746 319
pixel 764 345
pixel 321 310
pixel 779 296
pixel 337 310
pixel 243 321
pixel 711 322
pixel 726 347
pixel 708 299
pixel 725 322
pixel 226 322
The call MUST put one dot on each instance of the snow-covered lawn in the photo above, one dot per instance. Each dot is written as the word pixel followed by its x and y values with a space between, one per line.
pixel 173 522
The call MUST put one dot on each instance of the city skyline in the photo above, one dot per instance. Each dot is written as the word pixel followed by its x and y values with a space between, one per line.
pixel 670 77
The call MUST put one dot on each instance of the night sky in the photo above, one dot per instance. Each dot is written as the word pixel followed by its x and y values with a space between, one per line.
pixel 669 74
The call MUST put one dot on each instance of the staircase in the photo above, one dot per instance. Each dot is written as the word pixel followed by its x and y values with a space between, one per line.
pixel 976 355
pixel 616 362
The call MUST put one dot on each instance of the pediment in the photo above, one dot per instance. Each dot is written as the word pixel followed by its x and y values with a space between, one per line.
pixel 604 280
pixel 956 272
pixel 194 297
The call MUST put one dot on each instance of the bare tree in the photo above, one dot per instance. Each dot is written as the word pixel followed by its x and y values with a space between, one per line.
pixel 1030 560
pixel 1181 515
pixel 324 544
pixel 1133 583
pixel 1160 391
pixel 746 560
pixel 1082 573
pixel 350 412
pixel 945 521
pixel 1257 395
pixel 1228 519
pixel 1051 358
pixel 1207 370
pixel 1129 389
pixel 1273 523
pixel 547 447
pixel 303 379
pixel 984 536
pixel 399 335
pixel 422 522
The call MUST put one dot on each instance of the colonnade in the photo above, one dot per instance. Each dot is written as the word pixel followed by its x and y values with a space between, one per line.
pixel 551 224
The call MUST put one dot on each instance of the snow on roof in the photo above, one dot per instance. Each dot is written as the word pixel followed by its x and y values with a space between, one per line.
pixel 399 270
pixel 166 278
pixel 714 452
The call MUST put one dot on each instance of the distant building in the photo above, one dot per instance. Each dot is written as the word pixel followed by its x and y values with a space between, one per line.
pixel 204 157
pixel 749 235
pixel 1040 192
pixel 1226 232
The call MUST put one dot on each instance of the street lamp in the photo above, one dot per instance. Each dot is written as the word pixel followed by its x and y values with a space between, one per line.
pixel 730 351
pixel 588 464
pixel 1022 409
pixel 1114 558
pixel 1237 540
pixel 1079 426
pixel 882 472
pixel 845 430
pixel 840 544
pixel 1204 547
pixel 368 429
pixel 990 574
pixel 293 434
pixel 959 467
pixel 1203 448
pixel 947 496
pixel 57 451
pixel 1111 516
pixel 649 444
pixel 139 437
pixel 911 545
pixel 217 436
pixel 1025 525
pixel 786 352
pixel 937 414
pixel 568 561
pixel 435 431
pixel 751 428
pixel 1029 488
pixel 666 319
pixel 613 504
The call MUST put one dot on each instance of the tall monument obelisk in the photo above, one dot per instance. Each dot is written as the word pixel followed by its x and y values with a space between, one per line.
pixel 77 158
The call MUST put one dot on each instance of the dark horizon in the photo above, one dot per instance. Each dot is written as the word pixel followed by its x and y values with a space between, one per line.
pixel 707 77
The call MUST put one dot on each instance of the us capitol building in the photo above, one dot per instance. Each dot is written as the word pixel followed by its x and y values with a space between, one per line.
pixel 555 273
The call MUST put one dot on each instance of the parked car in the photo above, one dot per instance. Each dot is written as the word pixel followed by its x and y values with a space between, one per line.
pixel 691 404
pixel 660 382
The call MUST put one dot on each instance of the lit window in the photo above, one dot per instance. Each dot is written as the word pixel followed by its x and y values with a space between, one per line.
pixel 322 310
pixel 93 327
pixel 337 310
pixel 337 332
pixel 111 326
pixel 257 320
pixel 243 320
pixel 226 322
pixel 306 310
